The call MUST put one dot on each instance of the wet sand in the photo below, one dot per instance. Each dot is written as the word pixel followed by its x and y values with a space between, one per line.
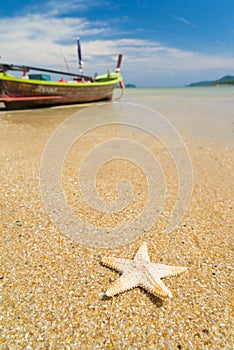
pixel 52 288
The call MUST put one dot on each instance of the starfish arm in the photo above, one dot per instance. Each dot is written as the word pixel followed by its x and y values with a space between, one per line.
pixel 161 270
pixel 120 265
pixel 122 284
pixel 142 253
pixel 155 286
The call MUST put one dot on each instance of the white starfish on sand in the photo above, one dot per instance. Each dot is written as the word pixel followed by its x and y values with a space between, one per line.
pixel 141 272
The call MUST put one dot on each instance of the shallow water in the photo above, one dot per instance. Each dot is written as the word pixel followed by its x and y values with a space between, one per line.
pixel 200 112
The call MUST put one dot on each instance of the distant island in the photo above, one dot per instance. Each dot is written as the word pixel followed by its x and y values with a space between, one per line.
pixel 130 86
pixel 226 80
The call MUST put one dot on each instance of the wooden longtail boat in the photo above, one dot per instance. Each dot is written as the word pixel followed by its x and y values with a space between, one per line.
pixel 20 93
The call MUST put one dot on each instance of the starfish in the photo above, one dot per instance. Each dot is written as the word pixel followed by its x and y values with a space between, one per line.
pixel 141 272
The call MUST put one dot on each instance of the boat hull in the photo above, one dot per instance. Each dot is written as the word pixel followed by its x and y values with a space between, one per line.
pixel 17 93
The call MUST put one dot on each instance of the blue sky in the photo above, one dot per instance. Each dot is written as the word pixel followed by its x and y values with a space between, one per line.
pixel 164 43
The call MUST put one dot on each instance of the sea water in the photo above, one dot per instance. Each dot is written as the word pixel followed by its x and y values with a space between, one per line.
pixel 206 112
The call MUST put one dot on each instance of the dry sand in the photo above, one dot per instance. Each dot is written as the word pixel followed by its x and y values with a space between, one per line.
pixel 52 288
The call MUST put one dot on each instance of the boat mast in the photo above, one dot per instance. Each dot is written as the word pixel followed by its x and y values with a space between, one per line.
pixel 80 62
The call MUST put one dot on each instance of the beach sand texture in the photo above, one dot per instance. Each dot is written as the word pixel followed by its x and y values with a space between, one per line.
pixel 53 288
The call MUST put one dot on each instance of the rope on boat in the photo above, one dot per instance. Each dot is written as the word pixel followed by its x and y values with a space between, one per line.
pixel 120 96
pixel 122 86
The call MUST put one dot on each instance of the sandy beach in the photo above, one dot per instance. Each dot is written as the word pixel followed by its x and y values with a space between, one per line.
pixel 53 288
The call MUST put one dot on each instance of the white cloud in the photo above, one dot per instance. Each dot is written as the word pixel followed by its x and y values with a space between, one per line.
pixel 37 39
pixel 61 7
pixel 185 21
pixel 56 7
